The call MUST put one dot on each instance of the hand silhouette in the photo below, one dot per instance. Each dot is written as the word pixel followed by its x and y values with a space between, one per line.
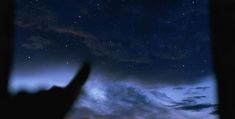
pixel 51 104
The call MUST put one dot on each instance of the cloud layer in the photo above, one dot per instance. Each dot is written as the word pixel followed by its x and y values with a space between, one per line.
pixel 128 100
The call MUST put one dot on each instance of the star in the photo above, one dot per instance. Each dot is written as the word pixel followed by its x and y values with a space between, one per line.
pixel 147 42
pixel 193 2
pixel 66 46
pixel 29 57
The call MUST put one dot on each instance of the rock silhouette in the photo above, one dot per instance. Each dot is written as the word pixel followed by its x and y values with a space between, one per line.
pixel 50 104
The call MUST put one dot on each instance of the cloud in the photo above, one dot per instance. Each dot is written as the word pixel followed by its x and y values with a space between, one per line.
pixel 196 91
pixel 216 112
pixel 198 97
pixel 23 24
pixel 72 31
pixel 108 99
pixel 179 88
pixel 202 88
pixel 188 101
pixel 36 43
pixel 97 47
pixel 194 98
pixel 102 49
pixel 117 56
pixel 193 91
pixel 125 100
pixel 81 113
pixel 46 24
pixel 41 20
pixel 46 21
pixel 197 107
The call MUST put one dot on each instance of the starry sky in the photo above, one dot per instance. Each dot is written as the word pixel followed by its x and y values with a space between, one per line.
pixel 150 59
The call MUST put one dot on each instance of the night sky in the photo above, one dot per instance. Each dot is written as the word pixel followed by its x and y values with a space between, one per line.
pixel 151 59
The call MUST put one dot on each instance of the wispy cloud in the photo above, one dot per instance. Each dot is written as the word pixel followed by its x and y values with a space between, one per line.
pixel 36 43
pixel 215 112
pixel 179 88
pixel 197 107
pixel 198 97
pixel 72 31
pixel 202 88
pixel 108 100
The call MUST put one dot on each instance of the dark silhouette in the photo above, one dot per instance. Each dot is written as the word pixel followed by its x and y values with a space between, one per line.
pixel 223 37
pixel 51 104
